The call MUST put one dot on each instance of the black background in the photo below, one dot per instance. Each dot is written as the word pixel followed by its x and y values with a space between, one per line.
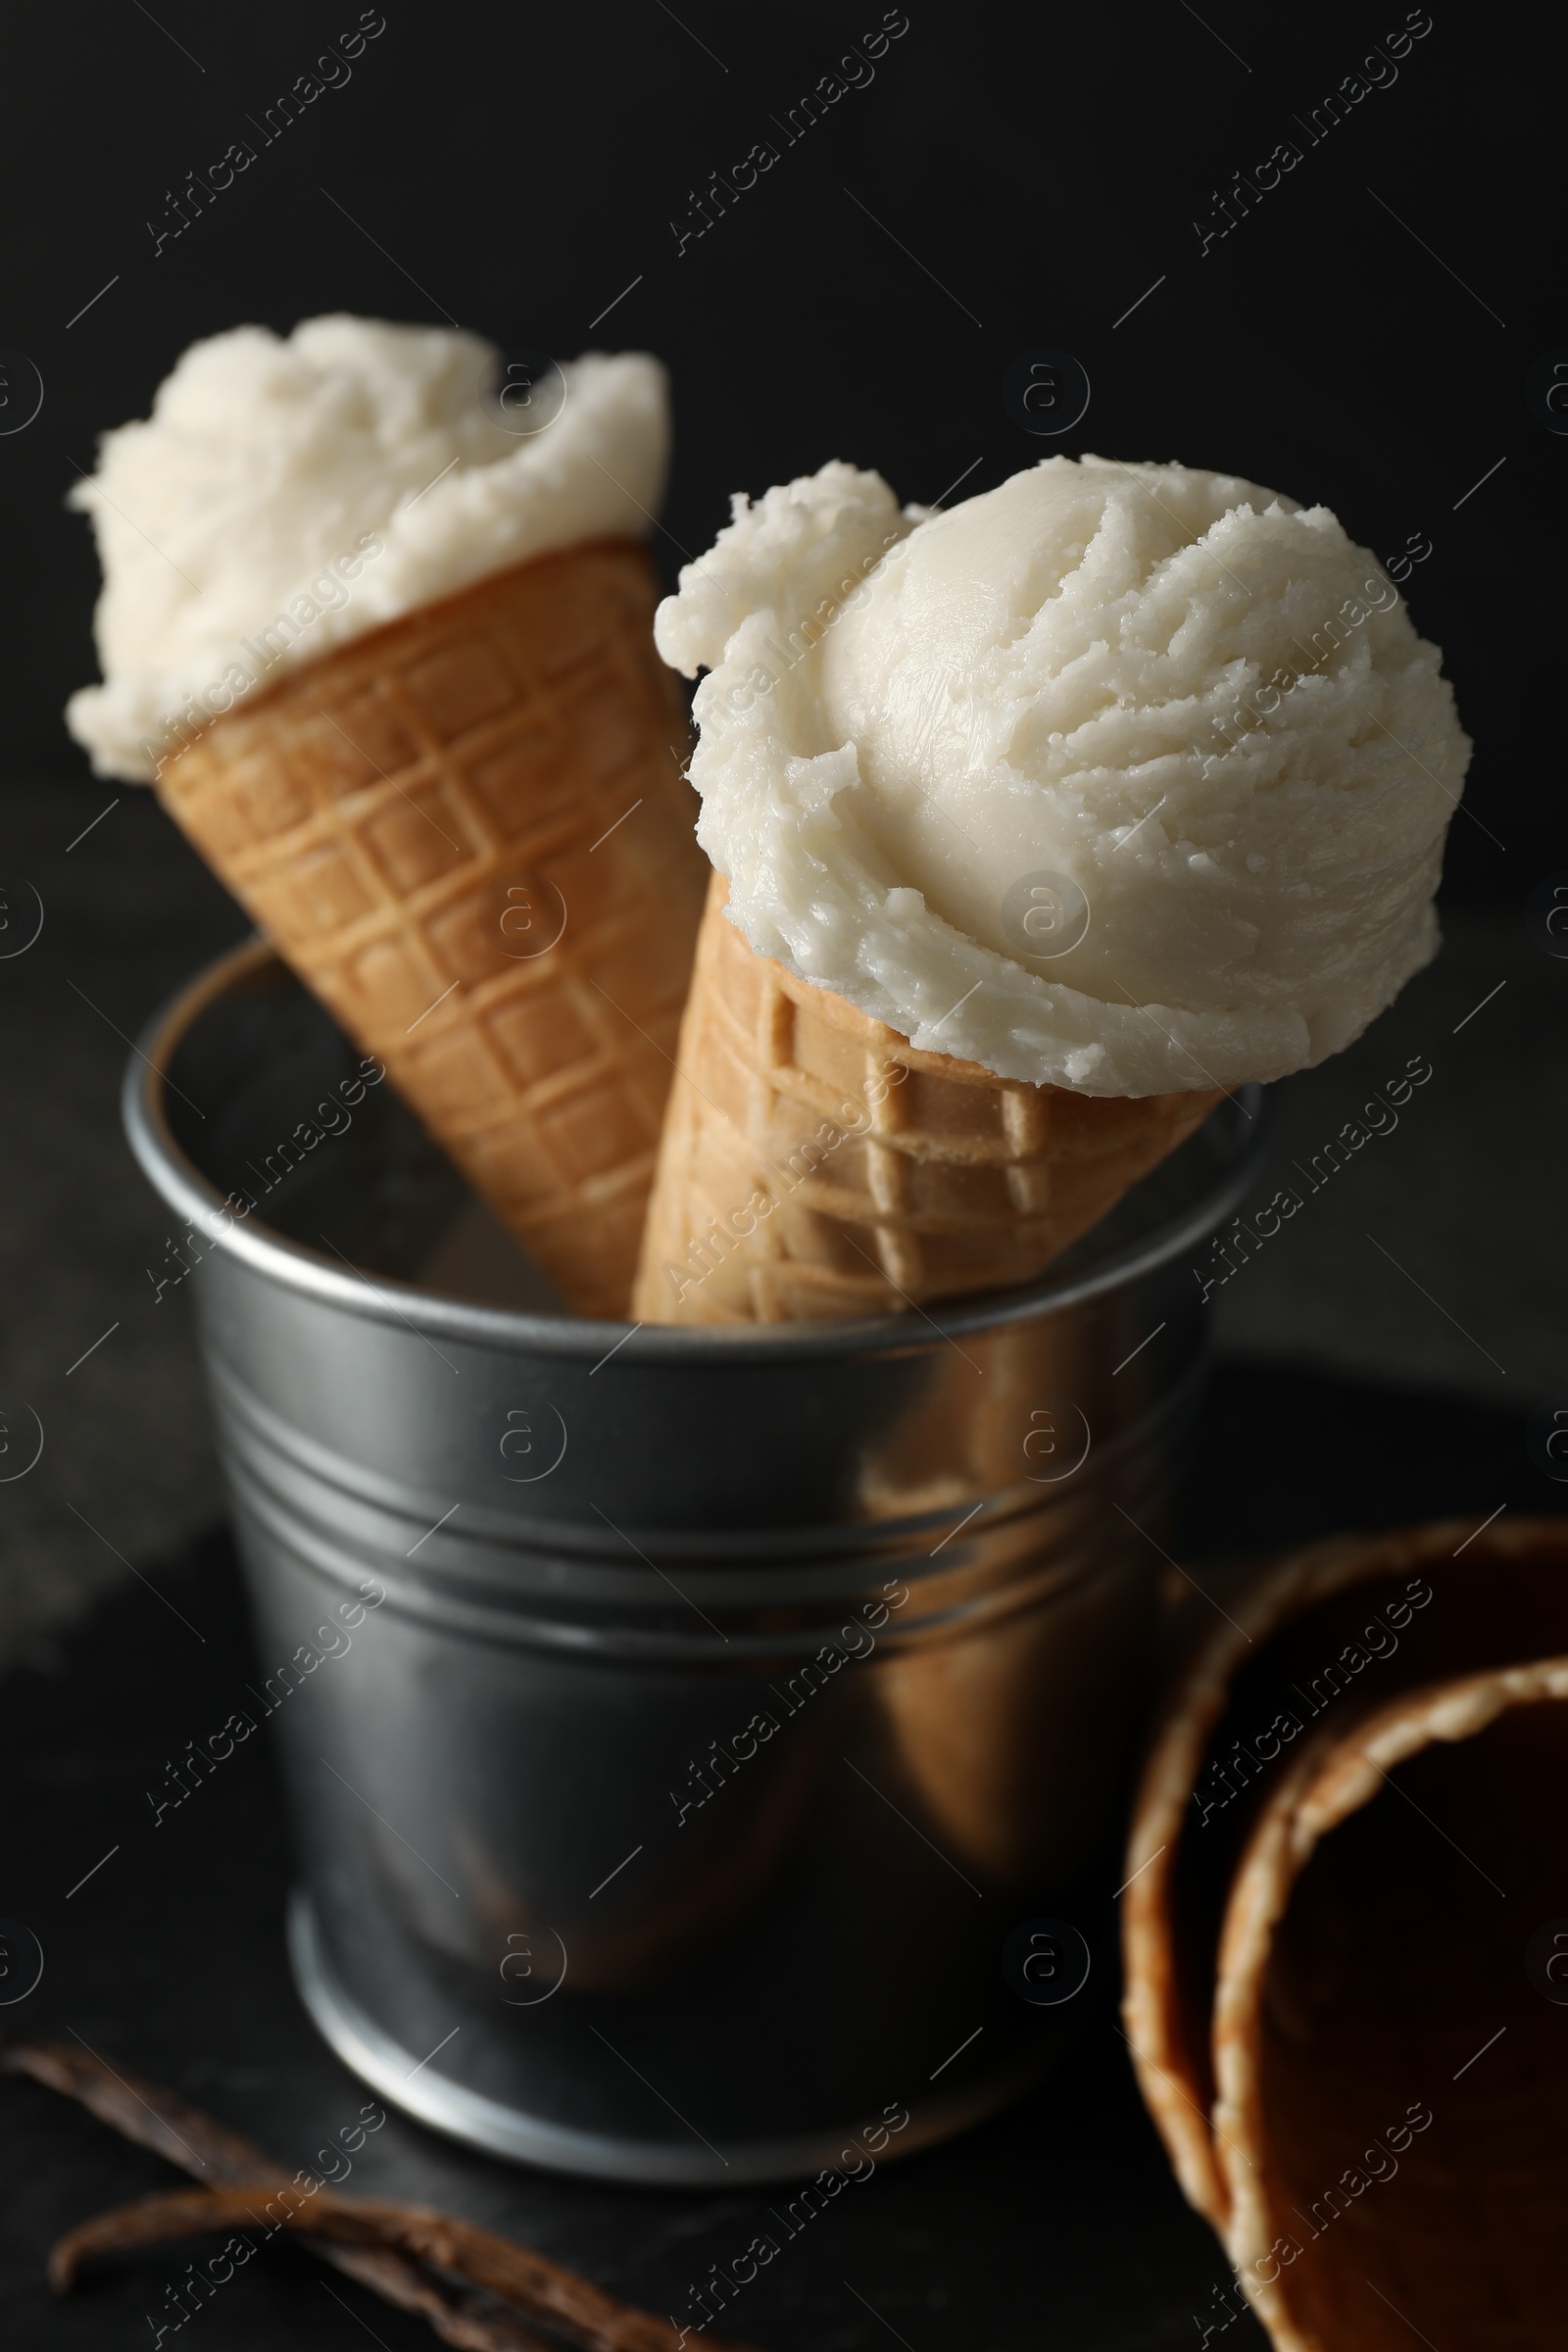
pixel 1033 169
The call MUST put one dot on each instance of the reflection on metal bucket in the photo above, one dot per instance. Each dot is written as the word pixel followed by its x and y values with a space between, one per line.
pixel 719 1703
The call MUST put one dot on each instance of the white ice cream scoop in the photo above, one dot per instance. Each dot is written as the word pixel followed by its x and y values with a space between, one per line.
pixel 1128 778
pixel 289 493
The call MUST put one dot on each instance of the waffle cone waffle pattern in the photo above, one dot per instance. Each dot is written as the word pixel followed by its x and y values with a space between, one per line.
pixel 469 834
pixel 893 1176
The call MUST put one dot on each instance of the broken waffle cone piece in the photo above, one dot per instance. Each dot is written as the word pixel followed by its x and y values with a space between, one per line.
pixel 469 834
pixel 1325 1648
pixel 1393 2110
pixel 815 1164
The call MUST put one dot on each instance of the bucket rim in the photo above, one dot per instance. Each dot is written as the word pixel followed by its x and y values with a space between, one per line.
pixel 391 1298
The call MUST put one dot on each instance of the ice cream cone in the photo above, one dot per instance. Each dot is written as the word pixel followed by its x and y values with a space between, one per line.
pixel 1181 1866
pixel 1387 2034
pixel 469 834
pixel 1269 1995
pixel 814 1164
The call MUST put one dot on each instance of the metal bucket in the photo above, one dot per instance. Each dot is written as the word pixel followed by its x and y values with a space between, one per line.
pixel 678 1725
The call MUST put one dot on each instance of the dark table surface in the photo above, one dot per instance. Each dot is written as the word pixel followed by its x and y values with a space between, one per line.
pixel 1057 2225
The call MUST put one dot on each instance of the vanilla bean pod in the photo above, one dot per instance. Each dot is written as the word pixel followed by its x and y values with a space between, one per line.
pixel 160 2120
pixel 588 2318
pixel 389 2248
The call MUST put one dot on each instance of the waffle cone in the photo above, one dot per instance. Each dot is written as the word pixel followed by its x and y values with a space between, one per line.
pixel 1305 1954
pixel 1393 2110
pixel 890 1176
pixel 467 833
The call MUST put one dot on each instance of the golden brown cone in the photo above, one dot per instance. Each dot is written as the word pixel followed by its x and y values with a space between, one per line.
pixel 1289 1645
pixel 895 1176
pixel 469 834
pixel 1392 2111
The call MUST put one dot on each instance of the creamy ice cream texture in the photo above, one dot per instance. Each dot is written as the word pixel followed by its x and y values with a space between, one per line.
pixel 292 492
pixel 1130 778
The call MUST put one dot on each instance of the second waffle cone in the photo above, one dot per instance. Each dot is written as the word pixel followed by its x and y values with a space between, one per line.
pixel 469 833
pixel 1309 1958
pixel 815 1164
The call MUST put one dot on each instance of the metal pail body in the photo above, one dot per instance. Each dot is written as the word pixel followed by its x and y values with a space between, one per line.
pixel 678 1725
